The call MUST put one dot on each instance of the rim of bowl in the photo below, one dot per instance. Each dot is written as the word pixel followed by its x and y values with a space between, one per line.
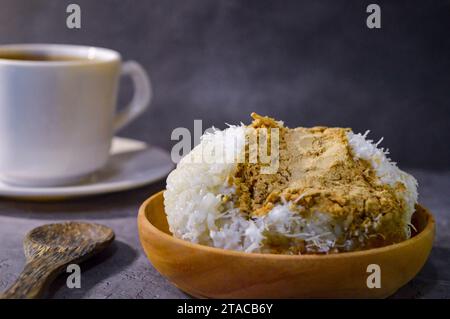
pixel 143 221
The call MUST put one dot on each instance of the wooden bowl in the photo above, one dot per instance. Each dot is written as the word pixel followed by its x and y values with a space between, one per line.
pixel 208 272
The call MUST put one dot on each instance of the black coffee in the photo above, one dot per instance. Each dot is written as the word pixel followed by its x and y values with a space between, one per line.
pixel 25 56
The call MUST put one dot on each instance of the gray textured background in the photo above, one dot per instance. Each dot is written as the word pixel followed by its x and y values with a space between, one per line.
pixel 306 62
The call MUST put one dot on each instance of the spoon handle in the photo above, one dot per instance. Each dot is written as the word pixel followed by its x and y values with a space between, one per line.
pixel 34 278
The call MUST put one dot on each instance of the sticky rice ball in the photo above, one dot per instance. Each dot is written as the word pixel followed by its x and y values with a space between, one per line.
pixel 321 190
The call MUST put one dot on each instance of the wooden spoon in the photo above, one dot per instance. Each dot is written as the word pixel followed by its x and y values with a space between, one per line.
pixel 50 248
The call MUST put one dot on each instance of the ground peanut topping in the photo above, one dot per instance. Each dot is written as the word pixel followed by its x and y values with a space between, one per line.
pixel 318 173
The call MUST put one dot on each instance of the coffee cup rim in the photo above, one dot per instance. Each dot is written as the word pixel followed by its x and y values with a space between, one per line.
pixel 89 54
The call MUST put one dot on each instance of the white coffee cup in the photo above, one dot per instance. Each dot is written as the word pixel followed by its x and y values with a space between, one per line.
pixel 58 116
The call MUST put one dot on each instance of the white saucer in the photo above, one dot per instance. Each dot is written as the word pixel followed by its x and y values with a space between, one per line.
pixel 132 164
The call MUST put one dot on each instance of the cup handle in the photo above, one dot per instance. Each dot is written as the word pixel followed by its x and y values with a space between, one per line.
pixel 142 94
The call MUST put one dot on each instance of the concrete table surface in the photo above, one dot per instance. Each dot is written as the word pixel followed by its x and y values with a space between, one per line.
pixel 123 271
